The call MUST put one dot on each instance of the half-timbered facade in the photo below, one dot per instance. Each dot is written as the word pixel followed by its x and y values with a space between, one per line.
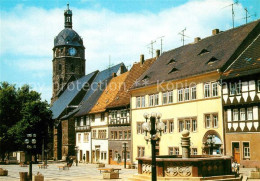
pixel 241 105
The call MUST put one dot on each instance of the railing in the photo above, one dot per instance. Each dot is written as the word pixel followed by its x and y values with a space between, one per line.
pixel 82 128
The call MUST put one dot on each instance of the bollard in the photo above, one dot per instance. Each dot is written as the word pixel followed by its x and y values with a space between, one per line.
pixel 23 176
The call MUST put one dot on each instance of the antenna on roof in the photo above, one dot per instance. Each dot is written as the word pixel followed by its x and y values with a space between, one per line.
pixel 233 12
pixel 151 48
pixel 161 39
pixel 109 64
pixel 182 33
pixel 248 15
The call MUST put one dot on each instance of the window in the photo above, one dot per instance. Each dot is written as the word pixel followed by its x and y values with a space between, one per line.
pixel 92 117
pixel 151 100
pixel 170 151
pixel 187 94
pixel 115 135
pixel 129 134
pixel 94 133
pixel 239 85
pixel 258 85
pixel 180 95
pixel 112 135
pixel 171 126
pixel 78 122
pixel 206 90
pixel 246 149
pixel 156 99
pixel 181 126
pixel 194 151
pixel 164 98
pixel 60 67
pixel 194 125
pixel 250 113
pixel 242 114
pixel 207 119
pixel 138 102
pixel 79 138
pixel 86 137
pixel 120 135
pixel 125 135
pixel 187 124
pixel 140 151
pixel 215 121
pixel 102 116
pixel 193 93
pixel 176 151
pixel 166 127
pixel 84 120
pixel 123 113
pixel 170 97
pixel 139 128
pixel 235 115
pixel 143 101
pixel 214 89
pixel 232 88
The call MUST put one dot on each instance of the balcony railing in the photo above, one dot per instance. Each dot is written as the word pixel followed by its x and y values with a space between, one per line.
pixel 82 128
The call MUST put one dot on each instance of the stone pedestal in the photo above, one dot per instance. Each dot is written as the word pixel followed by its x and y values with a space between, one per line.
pixel 3 172
pixel 38 178
pixel 110 175
pixel 23 176
pixel 100 165
pixel 185 143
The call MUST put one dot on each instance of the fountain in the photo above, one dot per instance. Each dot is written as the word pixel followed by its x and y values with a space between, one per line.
pixel 186 166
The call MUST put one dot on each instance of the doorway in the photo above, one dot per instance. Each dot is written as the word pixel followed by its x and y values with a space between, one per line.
pixel 97 155
pixel 80 155
pixel 110 157
pixel 87 156
pixel 236 151
pixel 93 156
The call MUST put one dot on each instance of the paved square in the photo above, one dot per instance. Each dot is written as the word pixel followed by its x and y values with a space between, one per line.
pixel 82 172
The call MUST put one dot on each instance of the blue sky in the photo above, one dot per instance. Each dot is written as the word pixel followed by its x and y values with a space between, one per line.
pixel 119 29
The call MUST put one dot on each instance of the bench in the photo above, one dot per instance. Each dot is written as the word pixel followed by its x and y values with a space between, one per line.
pixel 109 170
pixel 63 167
pixel 110 173
pixel 43 166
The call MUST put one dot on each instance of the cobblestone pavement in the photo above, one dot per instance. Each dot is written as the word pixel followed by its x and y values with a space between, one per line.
pixel 86 172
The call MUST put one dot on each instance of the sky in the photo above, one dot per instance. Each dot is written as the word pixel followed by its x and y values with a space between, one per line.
pixel 115 30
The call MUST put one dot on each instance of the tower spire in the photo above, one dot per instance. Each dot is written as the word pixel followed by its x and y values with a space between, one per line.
pixel 68 17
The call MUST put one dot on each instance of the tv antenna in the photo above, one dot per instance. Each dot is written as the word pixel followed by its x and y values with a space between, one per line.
pixel 233 12
pixel 248 15
pixel 182 33
pixel 151 47
pixel 161 40
pixel 109 64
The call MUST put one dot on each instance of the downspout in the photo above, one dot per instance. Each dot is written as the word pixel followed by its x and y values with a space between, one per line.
pixel 223 121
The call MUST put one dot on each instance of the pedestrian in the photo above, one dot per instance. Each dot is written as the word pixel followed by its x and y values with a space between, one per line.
pixel 84 158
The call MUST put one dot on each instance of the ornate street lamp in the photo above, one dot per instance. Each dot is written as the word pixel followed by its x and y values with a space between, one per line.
pixel 30 142
pixel 155 127
pixel 124 147
pixel 76 151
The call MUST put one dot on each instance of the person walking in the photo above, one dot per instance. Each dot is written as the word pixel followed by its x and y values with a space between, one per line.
pixel 84 158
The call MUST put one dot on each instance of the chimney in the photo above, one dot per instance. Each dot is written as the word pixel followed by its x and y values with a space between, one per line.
pixel 158 52
pixel 142 59
pixel 197 39
pixel 113 74
pixel 215 31
pixel 122 69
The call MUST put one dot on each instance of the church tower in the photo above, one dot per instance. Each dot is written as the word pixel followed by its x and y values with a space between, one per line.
pixel 68 57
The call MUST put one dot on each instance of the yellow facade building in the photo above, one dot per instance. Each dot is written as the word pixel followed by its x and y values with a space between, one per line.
pixel 184 86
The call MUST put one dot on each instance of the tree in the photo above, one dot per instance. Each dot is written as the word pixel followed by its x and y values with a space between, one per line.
pixel 22 112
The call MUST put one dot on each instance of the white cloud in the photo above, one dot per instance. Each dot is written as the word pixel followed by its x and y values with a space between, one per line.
pixel 30 31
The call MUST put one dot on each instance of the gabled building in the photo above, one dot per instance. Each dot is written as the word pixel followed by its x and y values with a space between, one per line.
pixel 119 120
pixel 183 85
pixel 95 143
pixel 241 106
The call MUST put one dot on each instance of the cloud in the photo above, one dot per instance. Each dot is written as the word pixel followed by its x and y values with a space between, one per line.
pixel 30 31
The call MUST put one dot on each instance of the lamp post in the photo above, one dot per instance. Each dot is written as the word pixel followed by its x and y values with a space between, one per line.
pixel 154 136
pixel 30 142
pixel 124 147
pixel 211 143
pixel 76 151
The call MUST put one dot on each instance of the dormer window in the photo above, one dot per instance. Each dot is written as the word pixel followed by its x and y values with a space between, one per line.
pixel 171 61
pixel 173 70
pixel 203 51
pixel 212 60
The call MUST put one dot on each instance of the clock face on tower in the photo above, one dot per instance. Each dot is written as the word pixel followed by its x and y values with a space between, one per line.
pixel 72 51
